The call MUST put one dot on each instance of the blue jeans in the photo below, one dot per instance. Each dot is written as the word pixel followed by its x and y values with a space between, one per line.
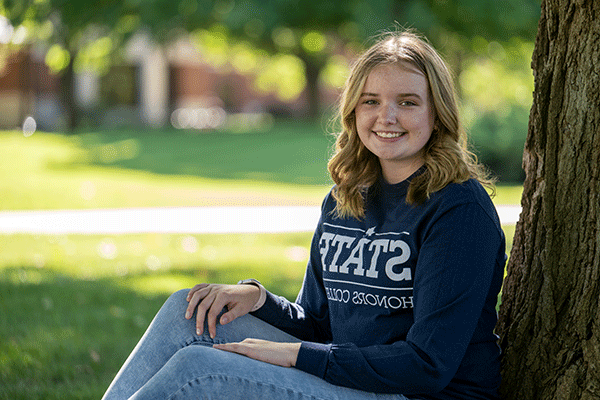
pixel 172 362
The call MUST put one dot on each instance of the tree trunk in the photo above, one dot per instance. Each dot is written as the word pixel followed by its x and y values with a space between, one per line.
pixel 313 65
pixel 67 83
pixel 549 323
pixel 25 83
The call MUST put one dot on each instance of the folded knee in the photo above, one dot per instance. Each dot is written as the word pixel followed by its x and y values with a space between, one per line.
pixel 179 297
pixel 176 304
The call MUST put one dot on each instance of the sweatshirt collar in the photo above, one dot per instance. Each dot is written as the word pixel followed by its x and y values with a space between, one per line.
pixel 397 191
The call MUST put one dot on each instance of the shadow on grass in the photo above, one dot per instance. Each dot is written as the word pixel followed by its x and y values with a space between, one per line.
pixel 289 153
pixel 64 338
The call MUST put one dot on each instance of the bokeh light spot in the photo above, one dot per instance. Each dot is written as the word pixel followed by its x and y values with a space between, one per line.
pixel 189 244
pixel 296 253
pixel 29 126
pixel 107 249
pixel 314 41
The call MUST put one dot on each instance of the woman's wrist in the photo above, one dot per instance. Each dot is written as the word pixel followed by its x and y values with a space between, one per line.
pixel 294 349
pixel 263 292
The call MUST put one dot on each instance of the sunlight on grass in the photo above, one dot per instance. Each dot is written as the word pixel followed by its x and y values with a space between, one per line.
pixel 51 171
pixel 154 264
pixel 508 195
pixel 66 298
pixel 158 284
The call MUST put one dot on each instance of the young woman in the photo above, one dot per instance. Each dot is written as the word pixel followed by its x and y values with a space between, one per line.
pixel 405 268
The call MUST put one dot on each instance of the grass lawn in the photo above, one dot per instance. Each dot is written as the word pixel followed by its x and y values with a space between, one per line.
pixel 73 306
pixel 115 169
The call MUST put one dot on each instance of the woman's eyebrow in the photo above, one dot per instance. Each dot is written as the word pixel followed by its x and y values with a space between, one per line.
pixel 409 95
pixel 400 95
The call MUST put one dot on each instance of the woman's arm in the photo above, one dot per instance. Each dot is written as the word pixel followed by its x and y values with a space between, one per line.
pixel 283 354
pixel 307 319
pixel 458 274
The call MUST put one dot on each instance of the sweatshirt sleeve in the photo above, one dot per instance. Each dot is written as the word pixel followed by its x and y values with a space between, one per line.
pixel 453 277
pixel 308 317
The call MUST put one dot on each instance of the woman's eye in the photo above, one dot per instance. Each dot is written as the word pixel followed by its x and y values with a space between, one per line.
pixel 370 102
pixel 408 103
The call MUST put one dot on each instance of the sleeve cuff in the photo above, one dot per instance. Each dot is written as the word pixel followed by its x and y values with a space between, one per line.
pixel 312 358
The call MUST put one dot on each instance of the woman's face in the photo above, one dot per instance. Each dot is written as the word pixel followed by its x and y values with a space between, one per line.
pixel 395 118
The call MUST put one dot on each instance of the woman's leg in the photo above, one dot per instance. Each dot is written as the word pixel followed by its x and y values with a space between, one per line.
pixel 170 332
pixel 200 372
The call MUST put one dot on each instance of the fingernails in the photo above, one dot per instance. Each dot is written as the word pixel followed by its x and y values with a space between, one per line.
pixel 187 315
pixel 198 331
pixel 224 320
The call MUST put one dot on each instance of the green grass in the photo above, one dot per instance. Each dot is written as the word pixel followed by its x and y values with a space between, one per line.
pixel 508 194
pixel 141 262
pixel 72 307
pixel 163 168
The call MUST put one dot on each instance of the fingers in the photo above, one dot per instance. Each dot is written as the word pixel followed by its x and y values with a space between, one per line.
pixel 246 347
pixel 195 295
pixel 200 298
pixel 231 314
pixel 241 304
pixel 218 303
pixel 283 354
pixel 204 305
pixel 209 300
pixel 249 347
pixel 195 289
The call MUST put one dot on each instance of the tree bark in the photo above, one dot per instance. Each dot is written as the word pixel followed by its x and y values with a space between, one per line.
pixel 313 64
pixel 549 322
pixel 67 95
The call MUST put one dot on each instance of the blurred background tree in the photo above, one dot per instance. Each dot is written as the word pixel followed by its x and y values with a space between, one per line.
pixel 290 47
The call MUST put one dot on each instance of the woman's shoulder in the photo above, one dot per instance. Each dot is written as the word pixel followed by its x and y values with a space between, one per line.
pixel 470 192
pixel 329 204
pixel 329 200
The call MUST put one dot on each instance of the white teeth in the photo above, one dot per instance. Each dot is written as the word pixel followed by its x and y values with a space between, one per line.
pixel 389 134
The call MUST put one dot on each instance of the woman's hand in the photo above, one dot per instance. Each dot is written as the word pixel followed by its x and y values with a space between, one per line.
pixel 283 354
pixel 209 299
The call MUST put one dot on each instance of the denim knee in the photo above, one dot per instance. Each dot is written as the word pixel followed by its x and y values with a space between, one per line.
pixel 179 297
pixel 170 319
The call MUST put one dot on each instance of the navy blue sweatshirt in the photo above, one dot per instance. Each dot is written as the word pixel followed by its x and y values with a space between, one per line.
pixel 402 301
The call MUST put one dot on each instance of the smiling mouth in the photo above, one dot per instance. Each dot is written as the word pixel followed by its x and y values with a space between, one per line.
pixel 390 135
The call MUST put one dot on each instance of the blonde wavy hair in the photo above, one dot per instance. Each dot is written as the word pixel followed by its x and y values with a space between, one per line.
pixel 354 168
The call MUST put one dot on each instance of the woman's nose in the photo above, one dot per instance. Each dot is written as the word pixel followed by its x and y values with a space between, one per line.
pixel 387 114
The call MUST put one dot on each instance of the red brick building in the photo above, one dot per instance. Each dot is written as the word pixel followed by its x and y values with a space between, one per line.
pixel 147 91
